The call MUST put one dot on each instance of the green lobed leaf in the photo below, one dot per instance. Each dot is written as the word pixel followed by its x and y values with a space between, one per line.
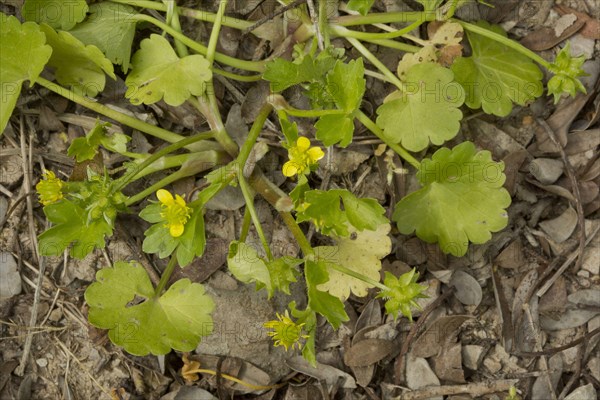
pixel 284 74
pixel 111 28
pixel 76 65
pixel 346 84
pixel 158 72
pixel 335 128
pixel 362 6
pixel 322 302
pixel 496 76
pixel 323 208
pixel 72 227
pixel 428 111
pixel 23 56
pixel 462 199
pixel 247 266
pixel 85 148
pixel 361 252
pixel 59 14
pixel 175 320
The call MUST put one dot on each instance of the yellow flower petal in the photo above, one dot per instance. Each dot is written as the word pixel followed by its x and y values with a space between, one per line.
pixel 302 144
pixel 290 168
pixel 164 197
pixel 315 153
pixel 179 200
pixel 176 230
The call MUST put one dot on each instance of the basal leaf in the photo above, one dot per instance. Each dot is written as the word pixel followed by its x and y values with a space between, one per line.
pixel 495 76
pixel 175 320
pixel 428 111
pixel 462 199
pixel 361 252
pixel 322 302
pixel 111 28
pixel 158 72
pixel 72 227
pixel 23 54
pixel 335 128
pixel 59 14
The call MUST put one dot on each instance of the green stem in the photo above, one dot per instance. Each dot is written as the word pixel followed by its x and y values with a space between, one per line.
pixel 237 77
pixel 207 106
pixel 384 18
pixel 505 41
pixel 255 66
pixel 158 185
pixel 370 125
pixel 123 181
pixel 241 162
pixel 249 198
pixel 392 44
pixel 375 61
pixel 173 20
pixel 210 158
pixel 188 12
pixel 253 135
pixel 245 225
pixel 341 31
pixel 358 276
pixel 323 22
pixel 296 112
pixel 134 123
pixel 271 192
pixel 164 279
pixel 214 34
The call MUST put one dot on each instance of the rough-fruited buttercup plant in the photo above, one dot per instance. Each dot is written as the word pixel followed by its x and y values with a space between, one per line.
pixel 461 199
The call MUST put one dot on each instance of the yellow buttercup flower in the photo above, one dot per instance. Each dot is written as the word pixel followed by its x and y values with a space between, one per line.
pixel 174 212
pixel 302 157
pixel 285 332
pixel 49 188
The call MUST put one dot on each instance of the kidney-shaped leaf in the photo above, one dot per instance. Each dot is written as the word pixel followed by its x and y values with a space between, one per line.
pixel 122 300
pixel 78 66
pixel 462 199
pixel 59 14
pixel 158 71
pixel 23 55
pixel 427 111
